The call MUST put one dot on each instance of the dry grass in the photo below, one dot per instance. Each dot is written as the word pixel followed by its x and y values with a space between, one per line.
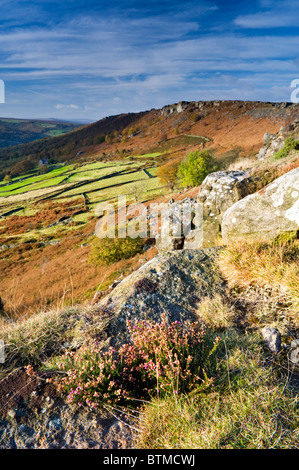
pixel 215 313
pixel 245 163
pixel 35 277
pixel 47 334
pixel 250 407
pixel 276 264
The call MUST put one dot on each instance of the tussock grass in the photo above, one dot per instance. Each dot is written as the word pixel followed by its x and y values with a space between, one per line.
pixel 275 264
pixel 46 334
pixel 250 406
pixel 215 313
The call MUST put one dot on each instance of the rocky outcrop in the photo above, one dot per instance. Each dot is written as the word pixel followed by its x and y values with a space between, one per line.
pixel 34 416
pixel 172 283
pixel 272 144
pixel 267 213
pixel 219 191
pixel 174 108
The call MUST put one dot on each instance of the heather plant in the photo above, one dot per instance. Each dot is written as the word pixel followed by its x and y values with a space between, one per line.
pixel 161 360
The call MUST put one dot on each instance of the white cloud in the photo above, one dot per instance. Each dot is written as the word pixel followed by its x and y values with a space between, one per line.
pixel 66 106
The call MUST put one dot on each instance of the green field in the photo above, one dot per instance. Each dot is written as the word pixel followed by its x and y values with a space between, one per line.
pixel 99 181
pixel 28 183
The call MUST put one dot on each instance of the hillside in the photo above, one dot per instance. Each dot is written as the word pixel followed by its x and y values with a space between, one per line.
pixel 229 126
pixel 66 147
pixel 52 210
pixel 204 342
pixel 19 131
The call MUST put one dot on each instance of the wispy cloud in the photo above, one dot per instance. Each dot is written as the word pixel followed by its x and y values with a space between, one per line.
pixel 74 57
pixel 66 106
pixel 277 14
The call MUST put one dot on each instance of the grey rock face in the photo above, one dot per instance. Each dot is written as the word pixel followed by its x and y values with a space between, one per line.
pixel 266 213
pixel 272 338
pixel 35 417
pixel 294 355
pixel 219 191
pixel 272 144
pixel 171 283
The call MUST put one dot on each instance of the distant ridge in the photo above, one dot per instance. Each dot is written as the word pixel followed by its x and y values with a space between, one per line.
pixel 226 124
pixel 16 131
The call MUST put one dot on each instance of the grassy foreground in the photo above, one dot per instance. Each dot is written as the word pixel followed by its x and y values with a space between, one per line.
pixel 252 399
pixel 250 406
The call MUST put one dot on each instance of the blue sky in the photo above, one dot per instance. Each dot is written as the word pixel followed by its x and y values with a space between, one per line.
pixel 90 59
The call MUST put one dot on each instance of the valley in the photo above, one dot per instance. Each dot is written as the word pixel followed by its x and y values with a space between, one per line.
pixel 47 216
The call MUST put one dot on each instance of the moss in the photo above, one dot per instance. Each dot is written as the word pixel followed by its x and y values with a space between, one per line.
pixel 285 237
pixel 289 145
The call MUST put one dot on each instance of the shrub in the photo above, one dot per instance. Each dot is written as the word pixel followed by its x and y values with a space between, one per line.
pixel 193 170
pixel 167 174
pixel 106 251
pixel 7 178
pixel 163 359
pixel 289 144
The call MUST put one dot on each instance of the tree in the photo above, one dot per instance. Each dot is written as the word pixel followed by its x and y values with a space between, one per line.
pixel 136 191
pixel 167 174
pixel 193 170
pixel 7 179
pixel 22 167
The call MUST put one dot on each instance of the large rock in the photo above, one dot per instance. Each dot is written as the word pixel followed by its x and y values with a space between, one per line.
pixel 272 144
pixel 267 213
pixel 34 416
pixel 174 108
pixel 219 191
pixel 172 283
pixel 166 242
